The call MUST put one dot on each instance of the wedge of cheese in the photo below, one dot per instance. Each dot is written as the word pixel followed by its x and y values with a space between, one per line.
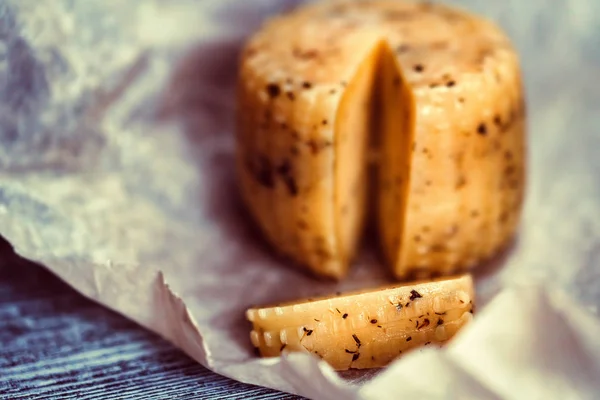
pixel 434 93
pixel 365 329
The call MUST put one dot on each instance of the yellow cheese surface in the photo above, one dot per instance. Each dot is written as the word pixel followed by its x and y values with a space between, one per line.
pixel 365 329
pixel 433 91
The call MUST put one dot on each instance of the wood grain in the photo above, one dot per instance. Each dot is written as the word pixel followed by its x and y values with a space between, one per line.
pixel 56 344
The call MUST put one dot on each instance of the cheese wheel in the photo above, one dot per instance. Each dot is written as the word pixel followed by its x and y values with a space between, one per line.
pixel 433 91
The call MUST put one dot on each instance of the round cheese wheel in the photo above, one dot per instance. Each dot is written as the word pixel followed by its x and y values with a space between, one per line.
pixel 414 108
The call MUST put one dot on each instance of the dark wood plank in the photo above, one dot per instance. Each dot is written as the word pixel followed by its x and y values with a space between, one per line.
pixel 54 343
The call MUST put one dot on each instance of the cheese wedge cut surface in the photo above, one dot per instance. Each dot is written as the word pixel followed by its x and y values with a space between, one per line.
pixel 365 329
pixel 434 92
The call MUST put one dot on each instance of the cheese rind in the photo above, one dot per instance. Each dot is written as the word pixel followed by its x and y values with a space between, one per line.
pixel 450 130
pixel 365 329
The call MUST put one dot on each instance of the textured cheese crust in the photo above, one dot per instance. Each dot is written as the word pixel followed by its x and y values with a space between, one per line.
pixel 365 329
pixel 437 90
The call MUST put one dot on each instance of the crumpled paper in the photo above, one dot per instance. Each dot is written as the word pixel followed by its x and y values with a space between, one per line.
pixel 116 174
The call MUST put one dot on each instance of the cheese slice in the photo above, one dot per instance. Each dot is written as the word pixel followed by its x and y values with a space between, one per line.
pixel 368 328
pixel 434 91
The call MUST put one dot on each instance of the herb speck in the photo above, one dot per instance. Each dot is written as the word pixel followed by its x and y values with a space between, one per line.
pixel 424 324
pixel 403 48
pixel 482 129
pixel 414 295
pixel 273 90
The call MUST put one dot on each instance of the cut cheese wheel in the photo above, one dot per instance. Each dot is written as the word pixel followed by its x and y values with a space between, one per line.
pixel 434 92
pixel 365 329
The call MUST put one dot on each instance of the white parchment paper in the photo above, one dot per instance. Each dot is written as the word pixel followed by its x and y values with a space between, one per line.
pixel 116 174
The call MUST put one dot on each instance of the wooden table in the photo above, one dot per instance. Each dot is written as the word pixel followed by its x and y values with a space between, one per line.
pixel 54 343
